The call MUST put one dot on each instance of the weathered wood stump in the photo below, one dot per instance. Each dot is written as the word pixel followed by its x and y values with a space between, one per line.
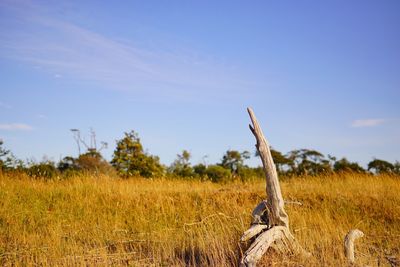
pixel 349 239
pixel 270 224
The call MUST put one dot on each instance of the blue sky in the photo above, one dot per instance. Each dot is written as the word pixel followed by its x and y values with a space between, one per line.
pixel 319 74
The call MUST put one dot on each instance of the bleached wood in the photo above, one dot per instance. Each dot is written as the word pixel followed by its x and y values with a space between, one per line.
pixel 351 236
pixel 254 230
pixel 270 222
pixel 260 213
pixel 275 203
pixel 392 260
pixel 277 237
pixel 261 245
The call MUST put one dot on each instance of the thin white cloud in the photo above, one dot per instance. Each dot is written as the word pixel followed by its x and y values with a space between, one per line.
pixel 15 127
pixel 64 47
pixel 367 123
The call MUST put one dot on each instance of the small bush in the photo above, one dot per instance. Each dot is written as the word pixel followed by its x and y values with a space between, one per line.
pixel 218 173
pixel 200 170
pixel 43 170
pixel 250 174
pixel 93 162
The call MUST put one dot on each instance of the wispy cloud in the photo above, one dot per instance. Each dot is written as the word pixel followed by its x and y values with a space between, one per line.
pixel 16 127
pixel 367 123
pixel 68 50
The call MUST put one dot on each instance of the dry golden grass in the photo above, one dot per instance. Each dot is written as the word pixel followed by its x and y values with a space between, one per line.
pixel 108 221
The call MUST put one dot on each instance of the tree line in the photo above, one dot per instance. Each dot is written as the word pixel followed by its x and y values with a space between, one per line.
pixel 130 160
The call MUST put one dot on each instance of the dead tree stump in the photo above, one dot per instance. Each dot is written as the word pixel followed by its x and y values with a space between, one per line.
pixel 270 225
pixel 349 240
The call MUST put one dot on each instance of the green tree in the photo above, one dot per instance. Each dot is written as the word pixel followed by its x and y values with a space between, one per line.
pixel 343 165
pixel 308 162
pixel 3 153
pixel 8 161
pixel 381 166
pixel 233 160
pixel 181 166
pixel 129 158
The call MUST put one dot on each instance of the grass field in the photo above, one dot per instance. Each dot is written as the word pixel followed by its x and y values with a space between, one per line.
pixel 109 221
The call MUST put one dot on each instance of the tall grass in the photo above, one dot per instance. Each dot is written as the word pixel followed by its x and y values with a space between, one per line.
pixel 109 221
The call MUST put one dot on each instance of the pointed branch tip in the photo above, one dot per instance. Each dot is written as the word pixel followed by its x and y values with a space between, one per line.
pixel 250 111
pixel 252 129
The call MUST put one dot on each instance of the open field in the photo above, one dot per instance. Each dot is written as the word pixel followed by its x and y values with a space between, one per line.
pixel 110 221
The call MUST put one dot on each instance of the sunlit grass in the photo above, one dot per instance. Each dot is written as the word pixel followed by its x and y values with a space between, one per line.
pixel 109 221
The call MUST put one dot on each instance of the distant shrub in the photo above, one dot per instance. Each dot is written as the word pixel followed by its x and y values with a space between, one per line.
pixel 69 173
pixel 250 174
pixel 68 164
pixel 218 173
pixel 89 162
pixel 200 170
pixel 181 167
pixel 92 161
pixel 45 170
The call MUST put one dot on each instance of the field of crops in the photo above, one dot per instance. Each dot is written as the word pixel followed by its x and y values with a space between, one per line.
pixel 100 220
